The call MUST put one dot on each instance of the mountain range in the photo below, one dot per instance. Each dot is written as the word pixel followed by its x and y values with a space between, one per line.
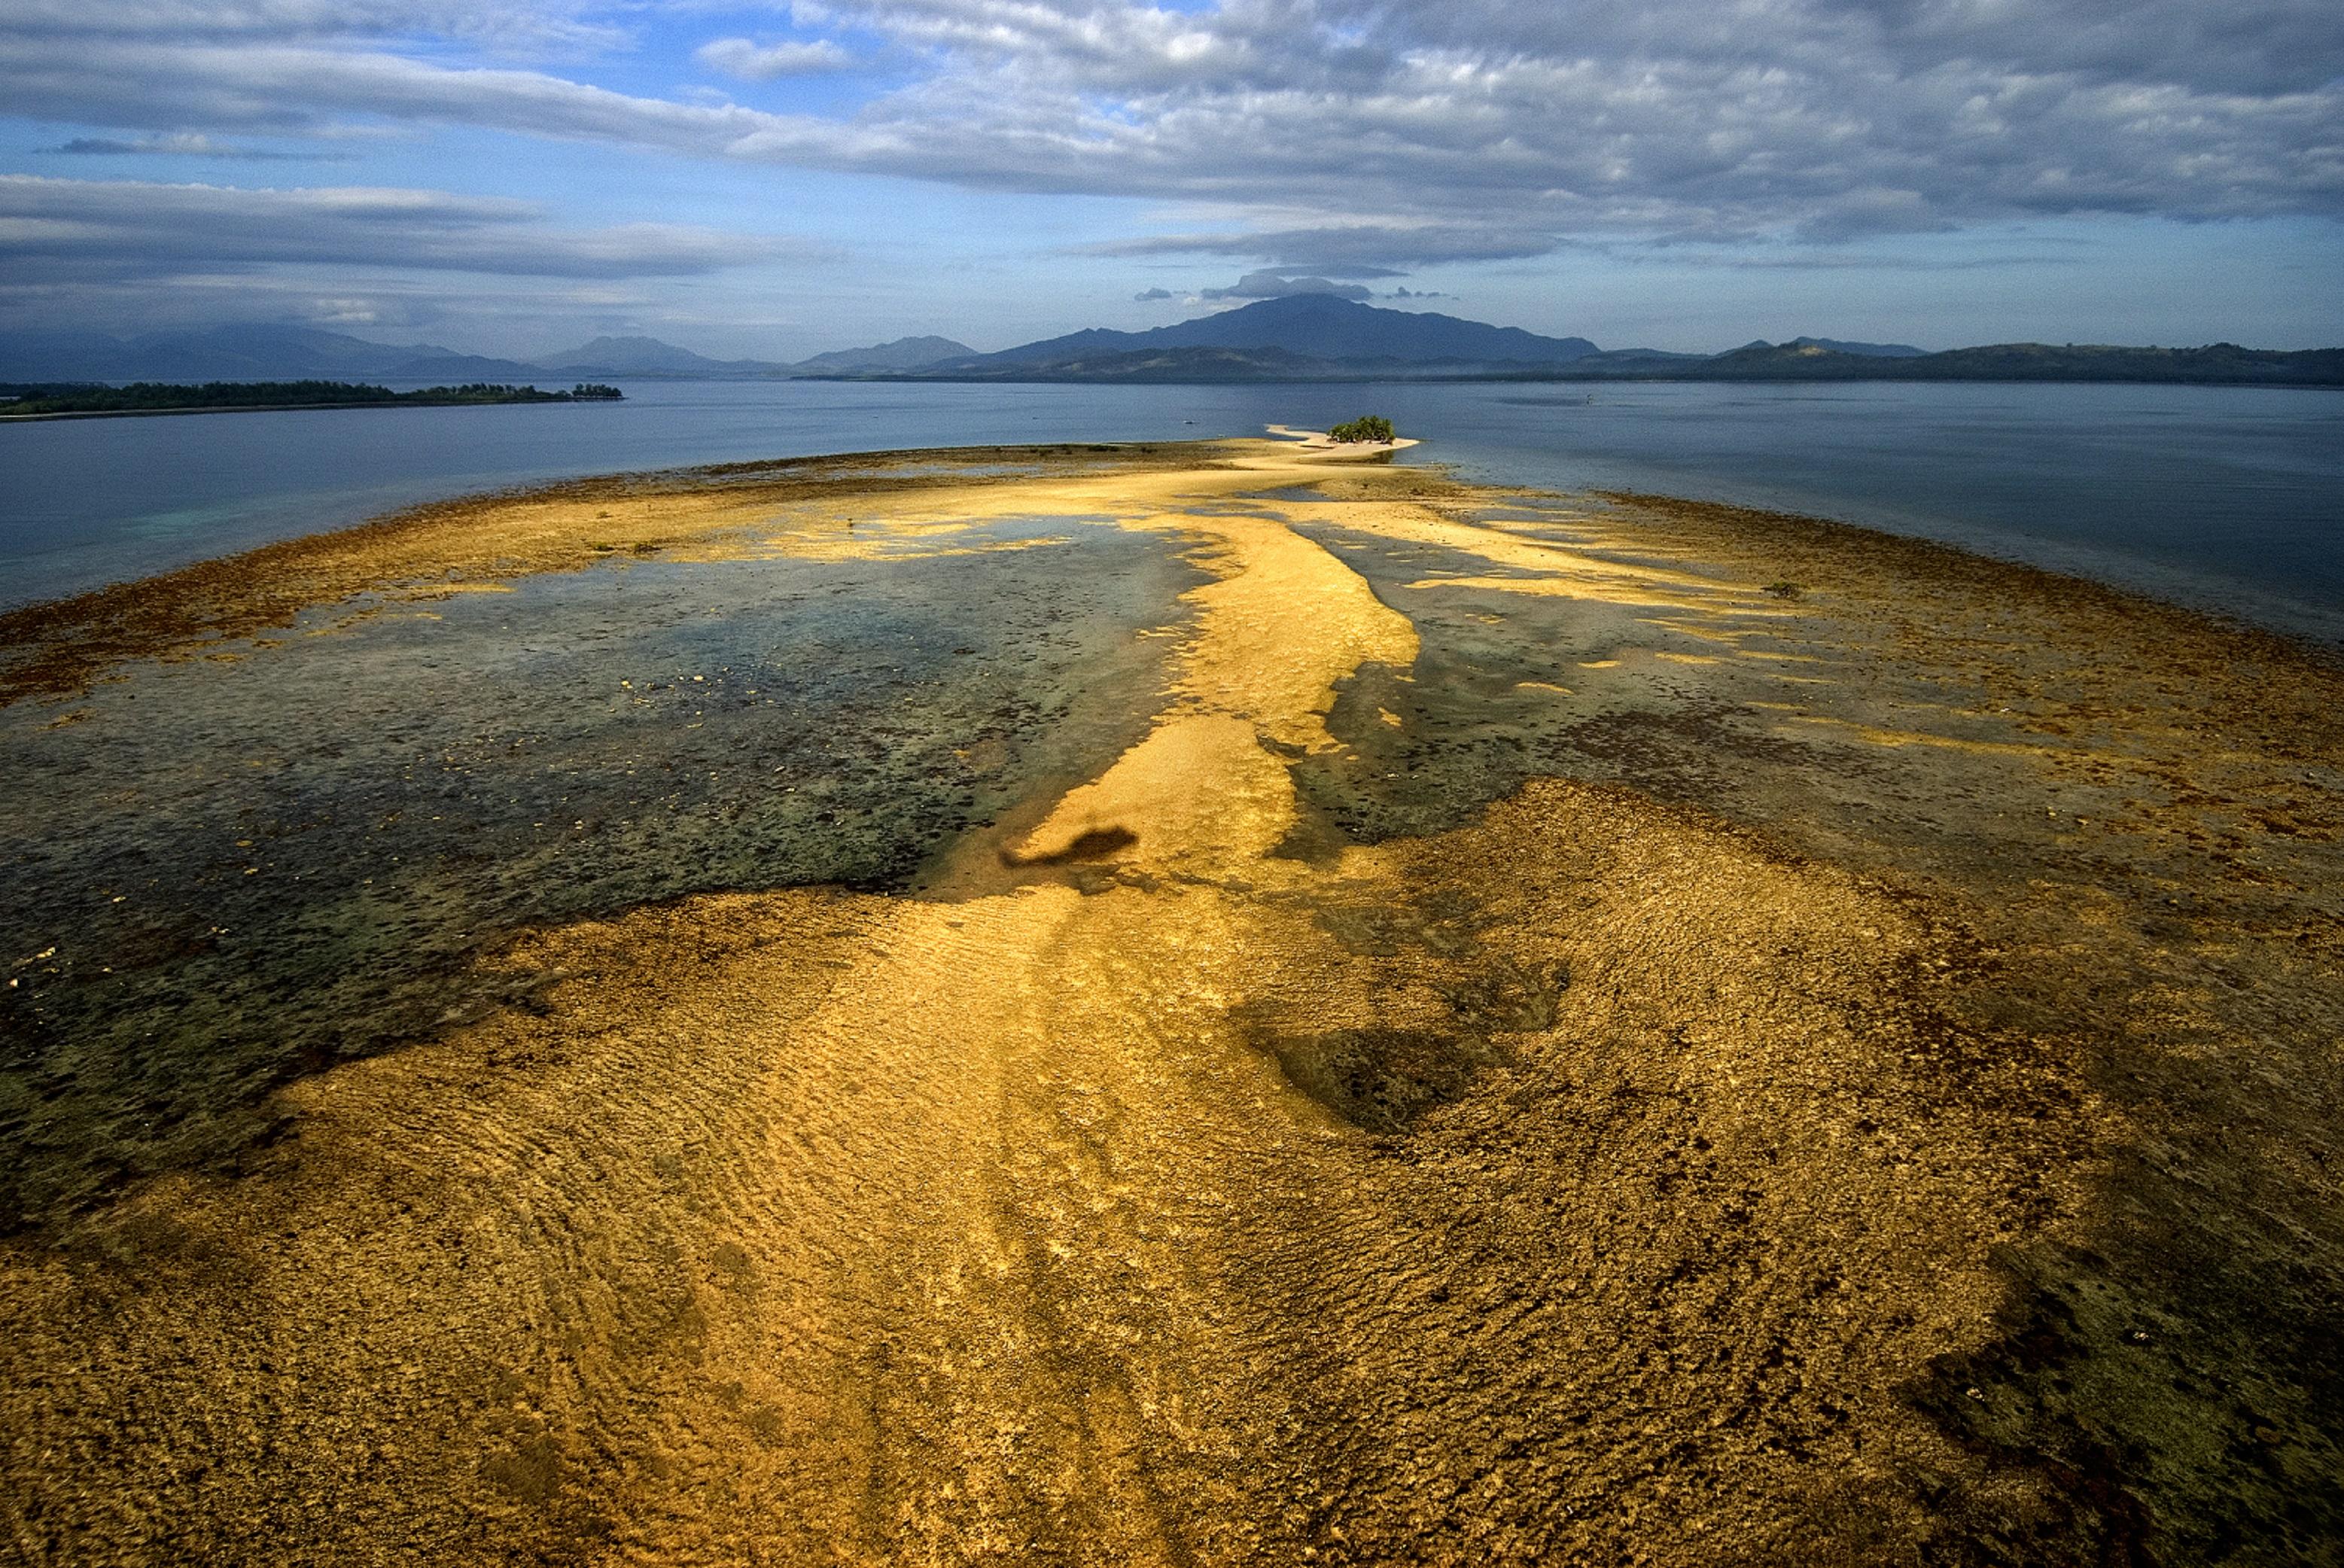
pixel 1318 336
pixel 1295 338
pixel 272 352
pixel 1311 327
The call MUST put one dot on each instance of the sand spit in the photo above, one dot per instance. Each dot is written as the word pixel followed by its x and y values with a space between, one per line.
pixel 1583 1031
pixel 1321 444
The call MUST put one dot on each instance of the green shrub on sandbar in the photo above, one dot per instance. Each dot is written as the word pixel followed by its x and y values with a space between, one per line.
pixel 1365 427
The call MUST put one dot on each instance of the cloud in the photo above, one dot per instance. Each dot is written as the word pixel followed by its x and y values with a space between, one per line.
pixel 1863 262
pixel 751 61
pixel 507 28
pixel 62 229
pixel 1277 286
pixel 1325 135
pixel 1350 250
pixel 183 143
pixel 1146 295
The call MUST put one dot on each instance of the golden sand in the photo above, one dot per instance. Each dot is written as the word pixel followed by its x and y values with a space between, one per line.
pixel 1605 1181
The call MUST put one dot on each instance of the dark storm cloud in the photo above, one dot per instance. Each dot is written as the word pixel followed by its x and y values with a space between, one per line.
pixel 1400 135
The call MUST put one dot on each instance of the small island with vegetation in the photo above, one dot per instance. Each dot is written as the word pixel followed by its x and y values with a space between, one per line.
pixel 1365 427
pixel 56 403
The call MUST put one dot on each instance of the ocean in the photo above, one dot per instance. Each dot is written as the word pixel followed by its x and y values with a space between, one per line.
pixel 2228 498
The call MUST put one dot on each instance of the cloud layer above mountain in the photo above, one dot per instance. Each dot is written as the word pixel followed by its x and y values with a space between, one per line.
pixel 1302 135
pixel 1456 127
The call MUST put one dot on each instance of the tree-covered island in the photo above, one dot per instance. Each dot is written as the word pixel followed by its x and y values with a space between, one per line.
pixel 1365 427
pixel 216 397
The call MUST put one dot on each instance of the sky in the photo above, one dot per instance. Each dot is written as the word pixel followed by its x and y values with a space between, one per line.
pixel 513 177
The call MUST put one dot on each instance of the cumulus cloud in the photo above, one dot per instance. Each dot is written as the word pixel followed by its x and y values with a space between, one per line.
pixel 1404 133
pixel 754 62
pixel 1278 286
pixel 130 229
pixel 1148 296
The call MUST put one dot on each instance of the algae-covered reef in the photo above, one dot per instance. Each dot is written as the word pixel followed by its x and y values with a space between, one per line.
pixel 1182 1006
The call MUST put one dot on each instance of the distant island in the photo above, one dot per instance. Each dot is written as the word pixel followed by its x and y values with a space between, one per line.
pixel 250 397
pixel 1295 338
pixel 1320 338
pixel 2217 364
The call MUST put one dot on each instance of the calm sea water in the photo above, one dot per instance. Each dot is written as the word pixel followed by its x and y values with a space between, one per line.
pixel 2231 499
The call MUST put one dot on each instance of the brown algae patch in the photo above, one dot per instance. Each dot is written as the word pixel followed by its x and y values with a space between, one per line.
pixel 2135 810
pixel 1310 1136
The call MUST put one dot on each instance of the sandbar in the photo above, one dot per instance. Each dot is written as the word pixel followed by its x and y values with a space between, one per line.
pixel 1571 1029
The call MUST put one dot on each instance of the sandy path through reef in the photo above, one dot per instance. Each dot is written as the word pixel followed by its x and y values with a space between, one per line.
pixel 1172 1181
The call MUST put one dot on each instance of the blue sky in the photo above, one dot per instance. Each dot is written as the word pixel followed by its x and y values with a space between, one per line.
pixel 515 176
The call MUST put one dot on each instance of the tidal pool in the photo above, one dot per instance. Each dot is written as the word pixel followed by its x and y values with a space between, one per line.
pixel 289 850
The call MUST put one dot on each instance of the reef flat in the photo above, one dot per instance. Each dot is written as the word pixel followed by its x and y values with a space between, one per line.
pixel 1182 1005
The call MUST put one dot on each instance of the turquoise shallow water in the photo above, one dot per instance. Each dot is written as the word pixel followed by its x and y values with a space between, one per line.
pixel 2227 497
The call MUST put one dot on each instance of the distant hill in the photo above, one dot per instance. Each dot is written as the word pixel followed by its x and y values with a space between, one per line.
pixel 1109 364
pixel 268 352
pixel 650 356
pixel 1319 338
pixel 1866 351
pixel 1315 327
pixel 902 354
pixel 445 367
pixel 51 356
pixel 1298 337
pixel 238 353
pixel 2216 364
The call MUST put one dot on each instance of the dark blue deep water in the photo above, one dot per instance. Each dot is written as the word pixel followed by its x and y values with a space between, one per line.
pixel 2231 499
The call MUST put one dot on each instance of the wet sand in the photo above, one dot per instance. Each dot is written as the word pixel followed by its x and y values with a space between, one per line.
pixel 1575 1030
